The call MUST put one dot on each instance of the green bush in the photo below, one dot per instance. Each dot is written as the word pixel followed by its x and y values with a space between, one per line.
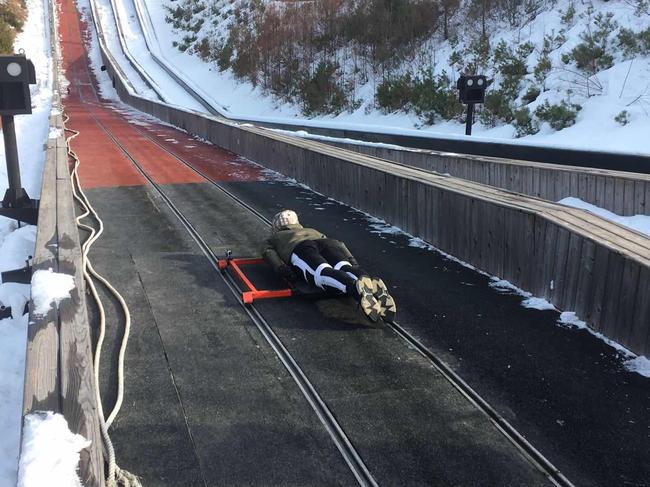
pixel 497 107
pixel 531 94
pixel 524 123
pixel 559 116
pixel 431 97
pixel 622 118
pixel 634 43
pixel 435 98
pixel 592 54
pixel 395 93
pixel 568 15
pixel 511 65
pixel 223 56
pixel 320 91
pixel 544 66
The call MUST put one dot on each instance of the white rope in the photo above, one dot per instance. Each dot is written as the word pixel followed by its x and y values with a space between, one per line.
pixel 115 476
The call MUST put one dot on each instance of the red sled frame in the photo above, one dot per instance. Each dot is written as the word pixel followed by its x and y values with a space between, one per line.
pixel 252 293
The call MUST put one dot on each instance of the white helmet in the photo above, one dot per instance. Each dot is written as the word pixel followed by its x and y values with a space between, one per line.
pixel 284 218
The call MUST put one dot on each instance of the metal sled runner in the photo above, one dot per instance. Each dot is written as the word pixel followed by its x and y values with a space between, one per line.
pixel 250 293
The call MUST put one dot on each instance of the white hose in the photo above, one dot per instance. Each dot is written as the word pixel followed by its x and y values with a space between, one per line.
pixel 115 476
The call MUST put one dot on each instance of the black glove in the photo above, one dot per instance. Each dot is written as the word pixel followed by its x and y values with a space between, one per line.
pixel 286 273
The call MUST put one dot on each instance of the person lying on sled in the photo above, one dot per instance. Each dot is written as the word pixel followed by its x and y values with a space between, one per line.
pixel 327 263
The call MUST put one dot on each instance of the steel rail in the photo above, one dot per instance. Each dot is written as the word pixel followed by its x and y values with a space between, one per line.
pixel 324 414
pixel 352 458
pixel 509 431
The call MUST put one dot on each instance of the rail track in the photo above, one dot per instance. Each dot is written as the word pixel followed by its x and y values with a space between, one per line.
pixel 325 415
pixel 516 438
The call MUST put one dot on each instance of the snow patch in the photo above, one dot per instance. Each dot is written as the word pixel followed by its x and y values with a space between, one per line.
pixel 50 452
pixel 640 223
pixel 50 288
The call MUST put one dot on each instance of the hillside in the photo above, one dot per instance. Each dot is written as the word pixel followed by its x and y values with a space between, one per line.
pixel 565 72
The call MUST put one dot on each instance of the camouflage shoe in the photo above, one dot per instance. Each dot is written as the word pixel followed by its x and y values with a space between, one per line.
pixel 386 301
pixel 367 301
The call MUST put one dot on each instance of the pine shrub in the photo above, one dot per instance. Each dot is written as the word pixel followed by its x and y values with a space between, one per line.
pixel 593 53
pixel 559 116
pixel 622 118
pixel 395 93
pixel 524 123
pixel 321 92
pixel 531 94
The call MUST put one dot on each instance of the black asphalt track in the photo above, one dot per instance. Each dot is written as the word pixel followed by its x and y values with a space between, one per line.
pixel 206 402
pixel 564 389
pixel 220 382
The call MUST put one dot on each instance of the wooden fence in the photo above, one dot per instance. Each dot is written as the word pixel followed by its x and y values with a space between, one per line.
pixel 59 362
pixel 620 192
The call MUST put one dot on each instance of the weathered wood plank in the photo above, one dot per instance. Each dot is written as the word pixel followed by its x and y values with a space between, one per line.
pixel 625 315
pixel 597 295
pixel 611 301
pixel 619 197
pixel 41 390
pixel 628 198
pixel 640 333
pixel 573 268
pixel 77 382
pixel 585 284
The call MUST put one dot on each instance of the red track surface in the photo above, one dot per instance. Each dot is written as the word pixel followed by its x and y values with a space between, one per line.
pixel 102 123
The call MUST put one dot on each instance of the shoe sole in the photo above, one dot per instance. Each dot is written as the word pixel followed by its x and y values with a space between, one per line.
pixel 367 301
pixel 386 301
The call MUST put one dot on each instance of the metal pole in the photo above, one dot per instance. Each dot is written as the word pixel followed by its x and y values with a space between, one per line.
pixel 470 119
pixel 11 155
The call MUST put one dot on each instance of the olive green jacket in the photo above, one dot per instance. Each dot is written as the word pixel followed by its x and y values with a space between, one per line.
pixel 277 249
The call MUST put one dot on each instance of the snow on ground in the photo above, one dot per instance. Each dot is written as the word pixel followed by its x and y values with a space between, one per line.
pixel 50 452
pixel 17 244
pixel 640 223
pixel 622 87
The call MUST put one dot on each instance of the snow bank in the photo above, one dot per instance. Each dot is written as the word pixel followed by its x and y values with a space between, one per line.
pixel 50 288
pixel 50 452
pixel 13 336
pixel 624 86
pixel 640 223
pixel 17 244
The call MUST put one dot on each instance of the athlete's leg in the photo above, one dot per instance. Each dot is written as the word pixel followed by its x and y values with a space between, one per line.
pixel 339 257
pixel 314 268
